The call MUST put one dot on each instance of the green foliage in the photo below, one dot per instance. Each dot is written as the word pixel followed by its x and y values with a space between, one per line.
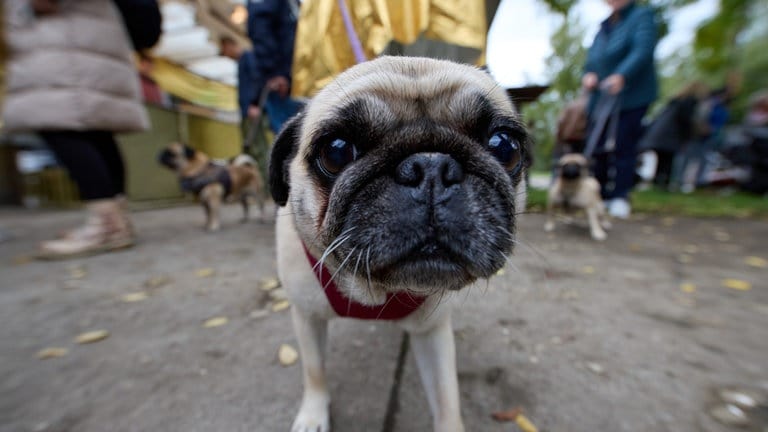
pixel 732 40
pixel 701 203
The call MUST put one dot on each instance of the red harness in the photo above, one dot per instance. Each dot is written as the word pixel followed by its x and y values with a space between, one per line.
pixel 397 305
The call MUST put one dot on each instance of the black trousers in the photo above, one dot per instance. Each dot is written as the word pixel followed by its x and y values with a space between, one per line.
pixel 92 159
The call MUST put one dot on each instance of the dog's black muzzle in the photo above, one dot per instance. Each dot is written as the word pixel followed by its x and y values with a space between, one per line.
pixel 571 171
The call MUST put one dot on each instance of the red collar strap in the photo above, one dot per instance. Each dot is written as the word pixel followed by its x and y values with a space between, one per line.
pixel 397 305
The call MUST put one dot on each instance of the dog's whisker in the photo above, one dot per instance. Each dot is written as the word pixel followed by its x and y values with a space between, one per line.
pixel 341 266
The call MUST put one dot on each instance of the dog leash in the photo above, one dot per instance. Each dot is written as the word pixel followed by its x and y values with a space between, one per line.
pixel 607 115
pixel 396 306
pixel 354 40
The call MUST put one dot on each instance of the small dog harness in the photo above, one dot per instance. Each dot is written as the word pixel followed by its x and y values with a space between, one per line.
pixel 212 173
pixel 397 305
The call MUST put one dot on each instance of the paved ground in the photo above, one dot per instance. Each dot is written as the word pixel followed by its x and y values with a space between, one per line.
pixel 582 336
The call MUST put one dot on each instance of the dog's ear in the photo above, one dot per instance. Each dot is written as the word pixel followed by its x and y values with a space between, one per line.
pixel 189 152
pixel 283 151
pixel 166 158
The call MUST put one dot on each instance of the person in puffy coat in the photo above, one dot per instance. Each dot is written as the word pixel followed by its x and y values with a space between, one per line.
pixel 71 78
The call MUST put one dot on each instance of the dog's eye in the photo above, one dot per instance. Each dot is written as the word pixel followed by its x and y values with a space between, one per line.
pixel 506 150
pixel 335 155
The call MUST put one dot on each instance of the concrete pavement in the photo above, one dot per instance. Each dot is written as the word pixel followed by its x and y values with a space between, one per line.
pixel 583 336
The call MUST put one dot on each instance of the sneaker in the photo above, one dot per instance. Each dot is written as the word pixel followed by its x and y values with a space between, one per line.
pixel 619 208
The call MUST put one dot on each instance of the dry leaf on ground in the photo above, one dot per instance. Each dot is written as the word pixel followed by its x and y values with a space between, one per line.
pixel 588 270
pixel 737 284
pixel 287 355
pixel 51 352
pixel 754 261
pixel 215 322
pixel 280 306
pixel 204 272
pixel 269 284
pixel 92 336
pixel 687 287
pixel 156 282
pixel 134 297
pixel 515 415
pixel 77 272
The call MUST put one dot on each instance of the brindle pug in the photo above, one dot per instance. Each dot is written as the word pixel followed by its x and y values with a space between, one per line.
pixel 214 183
pixel 399 185
pixel 575 189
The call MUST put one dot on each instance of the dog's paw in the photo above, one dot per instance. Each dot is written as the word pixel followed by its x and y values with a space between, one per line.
pixel 599 235
pixel 549 226
pixel 313 417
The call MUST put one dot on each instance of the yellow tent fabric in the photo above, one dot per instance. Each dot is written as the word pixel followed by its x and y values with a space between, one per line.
pixel 179 82
pixel 323 49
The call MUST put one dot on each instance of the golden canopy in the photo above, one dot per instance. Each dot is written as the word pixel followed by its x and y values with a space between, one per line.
pixel 439 28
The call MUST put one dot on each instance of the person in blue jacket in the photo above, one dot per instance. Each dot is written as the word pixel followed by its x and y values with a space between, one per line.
pixel 621 62
pixel 272 30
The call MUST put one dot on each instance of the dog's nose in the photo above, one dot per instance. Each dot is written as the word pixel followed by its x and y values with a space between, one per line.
pixel 436 171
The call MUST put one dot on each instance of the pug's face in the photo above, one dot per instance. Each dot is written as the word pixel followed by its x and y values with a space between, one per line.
pixel 176 156
pixel 573 166
pixel 404 174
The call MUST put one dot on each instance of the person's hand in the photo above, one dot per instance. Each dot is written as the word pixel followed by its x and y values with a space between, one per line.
pixel 254 112
pixel 279 85
pixel 44 7
pixel 614 84
pixel 589 81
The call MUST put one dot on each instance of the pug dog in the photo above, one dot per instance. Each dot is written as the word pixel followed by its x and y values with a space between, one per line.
pixel 574 188
pixel 399 184
pixel 213 183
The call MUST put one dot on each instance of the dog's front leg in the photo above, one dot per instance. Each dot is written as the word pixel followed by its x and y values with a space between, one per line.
pixel 595 229
pixel 435 355
pixel 246 207
pixel 211 196
pixel 314 413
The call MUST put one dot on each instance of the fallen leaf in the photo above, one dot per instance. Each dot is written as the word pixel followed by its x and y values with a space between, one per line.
pixel 588 270
pixel 287 355
pixel 634 247
pixel 215 322
pixel 508 415
pixel 269 284
pixel 737 284
pixel 515 415
pixel 259 313
pixel 688 287
pixel 134 297
pixel 278 294
pixel 729 415
pixel 741 398
pixel 524 424
pixel 758 262
pixel 92 336
pixel 595 368
pixel 668 221
pixel 77 272
pixel 280 306
pixel 156 282
pixel 52 352
pixel 500 272
pixel 204 272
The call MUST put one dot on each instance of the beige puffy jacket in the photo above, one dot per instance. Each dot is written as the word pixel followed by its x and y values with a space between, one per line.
pixel 72 70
